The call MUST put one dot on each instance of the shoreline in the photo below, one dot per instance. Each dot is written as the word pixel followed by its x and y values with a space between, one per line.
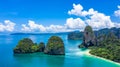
pixel 87 52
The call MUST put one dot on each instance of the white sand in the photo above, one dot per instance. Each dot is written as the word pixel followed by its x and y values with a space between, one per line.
pixel 87 53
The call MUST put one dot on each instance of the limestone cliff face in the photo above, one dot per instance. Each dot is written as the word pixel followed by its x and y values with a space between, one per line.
pixel 89 37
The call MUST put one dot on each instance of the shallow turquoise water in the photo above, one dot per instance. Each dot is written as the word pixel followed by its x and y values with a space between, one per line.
pixel 73 57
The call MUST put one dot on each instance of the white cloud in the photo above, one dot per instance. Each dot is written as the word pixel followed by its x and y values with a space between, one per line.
pixel 75 23
pixel 25 28
pixel 78 10
pixel 71 24
pixel 99 21
pixel 117 12
pixel 85 17
pixel 7 26
pixel 117 25
pixel 33 27
pixel 1 27
pixel 91 17
pixel 56 28
pixel 118 6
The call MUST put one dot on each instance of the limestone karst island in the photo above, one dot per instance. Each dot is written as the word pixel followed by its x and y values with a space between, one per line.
pixel 59 33
pixel 55 46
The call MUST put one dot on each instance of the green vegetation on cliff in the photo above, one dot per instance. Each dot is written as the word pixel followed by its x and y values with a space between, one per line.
pixel 89 29
pixel 55 46
pixel 26 45
pixel 107 45
pixel 108 48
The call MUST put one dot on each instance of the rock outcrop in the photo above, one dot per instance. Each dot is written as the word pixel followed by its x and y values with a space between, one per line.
pixel 55 46
pixel 88 37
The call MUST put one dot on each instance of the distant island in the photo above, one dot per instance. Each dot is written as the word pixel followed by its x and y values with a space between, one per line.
pixel 37 33
pixel 106 45
pixel 77 35
pixel 55 46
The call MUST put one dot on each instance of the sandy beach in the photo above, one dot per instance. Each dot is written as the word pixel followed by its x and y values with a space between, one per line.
pixel 87 52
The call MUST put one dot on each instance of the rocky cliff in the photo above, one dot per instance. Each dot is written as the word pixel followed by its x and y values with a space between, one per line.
pixel 89 38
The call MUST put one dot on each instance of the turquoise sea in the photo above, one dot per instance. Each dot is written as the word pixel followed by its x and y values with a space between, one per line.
pixel 74 56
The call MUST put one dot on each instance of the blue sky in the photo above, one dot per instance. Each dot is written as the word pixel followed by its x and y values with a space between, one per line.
pixel 54 13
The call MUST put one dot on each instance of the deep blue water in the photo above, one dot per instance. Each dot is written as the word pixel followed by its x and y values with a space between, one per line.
pixel 73 58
